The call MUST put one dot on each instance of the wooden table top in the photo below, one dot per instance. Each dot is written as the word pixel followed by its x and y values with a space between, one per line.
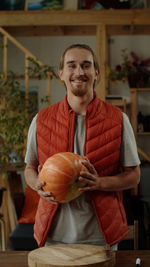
pixel 124 258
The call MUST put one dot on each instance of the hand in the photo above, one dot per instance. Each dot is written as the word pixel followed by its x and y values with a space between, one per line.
pixel 39 188
pixel 91 178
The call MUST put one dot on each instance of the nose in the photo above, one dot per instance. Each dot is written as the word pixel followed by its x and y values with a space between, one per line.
pixel 79 70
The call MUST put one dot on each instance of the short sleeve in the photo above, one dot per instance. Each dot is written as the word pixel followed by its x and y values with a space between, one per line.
pixel 31 156
pixel 128 153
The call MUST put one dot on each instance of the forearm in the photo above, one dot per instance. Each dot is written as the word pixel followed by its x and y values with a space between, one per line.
pixel 31 176
pixel 33 180
pixel 127 179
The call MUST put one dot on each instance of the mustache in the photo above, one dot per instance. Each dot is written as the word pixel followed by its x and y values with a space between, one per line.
pixel 80 78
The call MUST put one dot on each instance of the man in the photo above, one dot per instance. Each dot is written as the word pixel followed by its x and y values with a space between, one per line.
pixel 83 124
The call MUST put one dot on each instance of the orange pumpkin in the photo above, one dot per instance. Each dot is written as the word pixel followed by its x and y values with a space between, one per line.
pixel 60 173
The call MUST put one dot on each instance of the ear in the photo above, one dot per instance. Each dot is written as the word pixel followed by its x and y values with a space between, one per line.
pixel 60 74
pixel 97 74
pixel 97 77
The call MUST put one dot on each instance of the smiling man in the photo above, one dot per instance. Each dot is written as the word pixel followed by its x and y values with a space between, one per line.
pixel 79 75
pixel 83 124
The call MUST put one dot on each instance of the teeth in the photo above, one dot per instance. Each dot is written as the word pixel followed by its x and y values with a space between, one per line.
pixel 79 81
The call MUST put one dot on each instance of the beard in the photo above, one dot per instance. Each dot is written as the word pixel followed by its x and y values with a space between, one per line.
pixel 78 91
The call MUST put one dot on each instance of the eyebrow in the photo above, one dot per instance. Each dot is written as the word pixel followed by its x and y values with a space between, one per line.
pixel 73 61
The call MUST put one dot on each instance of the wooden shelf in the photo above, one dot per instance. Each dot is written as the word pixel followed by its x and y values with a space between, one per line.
pixel 143 133
pixel 101 23
pixel 141 89
pixel 122 103
pixel 75 17
pixel 134 112
pixel 133 21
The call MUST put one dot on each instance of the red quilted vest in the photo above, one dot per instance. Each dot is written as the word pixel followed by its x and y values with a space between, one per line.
pixel 55 133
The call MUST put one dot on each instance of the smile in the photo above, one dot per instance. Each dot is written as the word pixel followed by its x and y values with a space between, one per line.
pixel 78 82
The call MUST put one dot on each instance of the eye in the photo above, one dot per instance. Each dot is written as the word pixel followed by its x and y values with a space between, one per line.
pixel 72 66
pixel 86 66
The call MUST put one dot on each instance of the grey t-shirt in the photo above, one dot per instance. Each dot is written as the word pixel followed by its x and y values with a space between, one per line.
pixel 75 222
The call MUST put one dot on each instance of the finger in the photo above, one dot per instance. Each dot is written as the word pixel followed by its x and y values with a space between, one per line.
pixel 51 199
pixel 39 168
pixel 89 166
pixel 87 188
pixel 87 175
pixel 86 159
pixel 40 185
pixel 88 182
pixel 43 193
pixel 48 196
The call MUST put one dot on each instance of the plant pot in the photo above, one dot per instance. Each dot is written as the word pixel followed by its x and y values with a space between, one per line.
pixel 139 80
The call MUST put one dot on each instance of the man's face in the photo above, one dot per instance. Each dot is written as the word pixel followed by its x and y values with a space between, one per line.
pixel 78 73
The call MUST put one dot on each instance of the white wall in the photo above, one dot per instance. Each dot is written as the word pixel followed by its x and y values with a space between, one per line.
pixel 49 50
pixel 141 46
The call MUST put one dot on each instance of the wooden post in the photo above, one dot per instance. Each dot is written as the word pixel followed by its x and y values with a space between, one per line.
pixel 102 59
pixel 4 207
pixel 11 209
pixel 26 78
pixel 134 110
pixel 5 50
pixel 134 191
pixel 26 97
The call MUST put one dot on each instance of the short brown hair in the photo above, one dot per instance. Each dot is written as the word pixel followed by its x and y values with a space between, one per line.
pixel 82 46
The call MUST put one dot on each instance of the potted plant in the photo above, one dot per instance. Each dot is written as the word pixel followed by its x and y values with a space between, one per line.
pixel 15 116
pixel 132 69
pixel 16 113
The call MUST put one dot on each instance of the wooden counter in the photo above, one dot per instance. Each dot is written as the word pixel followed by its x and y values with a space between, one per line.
pixel 123 258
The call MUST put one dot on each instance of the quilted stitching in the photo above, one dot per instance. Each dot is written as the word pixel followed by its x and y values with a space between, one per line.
pixel 103 139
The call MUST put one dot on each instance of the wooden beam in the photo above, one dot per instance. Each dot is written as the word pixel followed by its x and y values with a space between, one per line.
pixel 102 59
pixel 76 30
pixel 128 30
pixel 80 30
pixel 142 153
pixel 34 30
pixel 134 110
pixel 75 17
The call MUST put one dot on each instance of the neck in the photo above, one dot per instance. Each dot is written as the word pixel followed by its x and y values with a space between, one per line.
pixel 79 104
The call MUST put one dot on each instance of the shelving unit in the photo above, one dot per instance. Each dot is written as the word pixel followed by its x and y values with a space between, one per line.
pixel 134 109
pixel 101 23
pixel 122 103
pixel 134 112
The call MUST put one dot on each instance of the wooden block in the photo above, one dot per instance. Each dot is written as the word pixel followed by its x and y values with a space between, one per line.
pixel 71 255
